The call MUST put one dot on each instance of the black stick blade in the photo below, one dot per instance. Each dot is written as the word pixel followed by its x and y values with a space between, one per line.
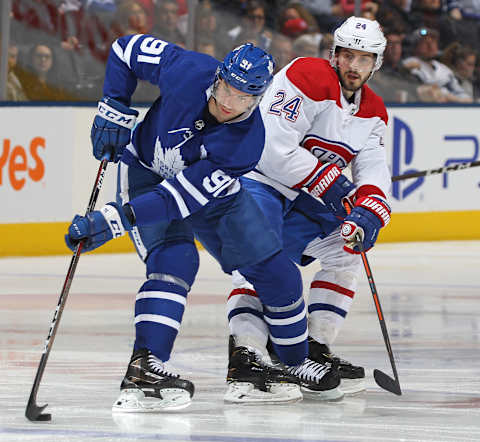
pixel 386 382
pixel 34 413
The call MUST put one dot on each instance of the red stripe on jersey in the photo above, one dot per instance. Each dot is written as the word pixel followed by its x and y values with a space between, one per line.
pixel 244 291
pixel 315 78
pixel 371 105
pixel 331 286
pixel 368 190
pixel 310 143
pixel 309 177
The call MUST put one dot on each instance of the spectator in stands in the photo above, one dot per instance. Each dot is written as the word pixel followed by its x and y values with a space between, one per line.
pixel 15 90
pixel 295 20
pixel 207 28
pixel 245 37
pixel 465 16
pixel 393 82
pixel 39 18
pixel 206 45
pixel 167 22
pixel 306 45
pixel 131 18
pixel 41 75
pixel 253 23
pixel 326 46
pixel 476 81
pixel 369 10
pixel 395 14
pixel 282 51
pixel 464 9
pixel 431 14
pixel 432 72
pixel 228 13
pixel 205 20
pixel 88 25
pixel 366 6
pixel 462 61
pixel 328 13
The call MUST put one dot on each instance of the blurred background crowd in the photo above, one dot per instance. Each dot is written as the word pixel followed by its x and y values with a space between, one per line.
pixel 57 49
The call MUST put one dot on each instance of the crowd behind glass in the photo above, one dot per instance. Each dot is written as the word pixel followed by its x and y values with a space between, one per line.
pixel 58 48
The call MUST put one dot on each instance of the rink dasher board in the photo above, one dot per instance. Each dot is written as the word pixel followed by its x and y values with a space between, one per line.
pixel 46 167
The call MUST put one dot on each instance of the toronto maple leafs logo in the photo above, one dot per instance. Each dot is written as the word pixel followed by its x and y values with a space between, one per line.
pixel 167 162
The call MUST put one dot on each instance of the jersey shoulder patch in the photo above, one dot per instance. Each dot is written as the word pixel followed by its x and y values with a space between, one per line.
pixel 371 105
pixel 315 78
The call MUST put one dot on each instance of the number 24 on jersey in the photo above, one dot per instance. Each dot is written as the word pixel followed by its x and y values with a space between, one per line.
pixel 289 108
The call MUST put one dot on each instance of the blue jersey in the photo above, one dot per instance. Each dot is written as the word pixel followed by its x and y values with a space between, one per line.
pixel 199 159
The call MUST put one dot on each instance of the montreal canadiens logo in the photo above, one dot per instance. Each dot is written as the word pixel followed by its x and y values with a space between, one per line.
pixel 347 229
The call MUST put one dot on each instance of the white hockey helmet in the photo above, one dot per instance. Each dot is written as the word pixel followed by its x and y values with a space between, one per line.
pixel 361 34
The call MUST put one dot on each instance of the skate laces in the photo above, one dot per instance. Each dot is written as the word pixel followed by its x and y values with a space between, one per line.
pixel 310 370
pixel 158 367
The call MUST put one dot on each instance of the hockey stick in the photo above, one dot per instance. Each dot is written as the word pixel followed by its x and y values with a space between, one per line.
pixel 382 379
pixel 34 412
pixel 452 168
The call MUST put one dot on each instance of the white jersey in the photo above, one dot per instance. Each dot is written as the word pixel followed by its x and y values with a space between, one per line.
pixel 309 122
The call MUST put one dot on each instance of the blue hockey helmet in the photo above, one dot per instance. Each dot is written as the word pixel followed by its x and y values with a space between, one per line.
pixel 248 69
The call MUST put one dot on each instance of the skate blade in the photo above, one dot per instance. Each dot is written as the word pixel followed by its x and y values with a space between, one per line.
pixel 134 401
pixel 333 395
pixel 246 393
pixel 352 386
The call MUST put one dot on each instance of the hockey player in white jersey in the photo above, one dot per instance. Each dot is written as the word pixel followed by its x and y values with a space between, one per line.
pixel 320 117
pixel 179 177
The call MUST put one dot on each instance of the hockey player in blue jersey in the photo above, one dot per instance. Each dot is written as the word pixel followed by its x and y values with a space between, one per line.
pixel 179 177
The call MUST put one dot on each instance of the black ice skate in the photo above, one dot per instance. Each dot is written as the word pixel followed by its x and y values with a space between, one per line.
pixel 317 380
pixel 352 376
pixel 149 387
pixel 252 379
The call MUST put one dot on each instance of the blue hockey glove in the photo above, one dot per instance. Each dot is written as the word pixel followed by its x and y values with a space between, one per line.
pixel 332 187
pixel 111 129
pixel 97 227
pixel 368 216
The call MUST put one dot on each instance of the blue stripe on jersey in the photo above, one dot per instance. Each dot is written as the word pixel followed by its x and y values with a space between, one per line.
pixel 327 307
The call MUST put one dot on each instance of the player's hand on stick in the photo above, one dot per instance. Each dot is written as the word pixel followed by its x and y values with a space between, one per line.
pixel 97 227
pixel 333 188
pixel 111 129
pixel 368 216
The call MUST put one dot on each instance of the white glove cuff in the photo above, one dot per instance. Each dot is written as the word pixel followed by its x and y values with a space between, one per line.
pixel 109 113
pixel 112 217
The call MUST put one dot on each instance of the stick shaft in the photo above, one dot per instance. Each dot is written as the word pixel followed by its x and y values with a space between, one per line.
pixel 64 293
pixel 376 300
pixel 378 307
pixel 439 170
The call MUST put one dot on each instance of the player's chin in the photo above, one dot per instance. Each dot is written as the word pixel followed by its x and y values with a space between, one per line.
pixel 353 84
pixel 223 117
